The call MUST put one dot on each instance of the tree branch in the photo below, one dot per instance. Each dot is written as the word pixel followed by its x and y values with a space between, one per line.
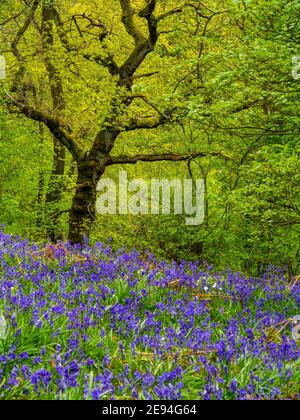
pixel 56 86
pixel 147 13
pixel 287 223
pixel 153 106
pixel 107 62
pixel 128 22
pixel 146 123
pixel 24 28
pixel 169 13
pixel 141 76
pixel 93 23
pixel 143 46
pixel 12 18
pixel 17 39
pixel 55 126
pixel 121 160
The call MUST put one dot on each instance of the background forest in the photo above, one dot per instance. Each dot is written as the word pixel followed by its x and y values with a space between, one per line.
pixel 218 83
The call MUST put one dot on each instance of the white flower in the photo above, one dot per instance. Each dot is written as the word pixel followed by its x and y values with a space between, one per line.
pixel 3 328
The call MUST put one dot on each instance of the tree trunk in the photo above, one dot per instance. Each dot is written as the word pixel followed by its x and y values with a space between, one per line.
pixel 41 183
pixel 55 190
pixel 90 170
pixel 82 213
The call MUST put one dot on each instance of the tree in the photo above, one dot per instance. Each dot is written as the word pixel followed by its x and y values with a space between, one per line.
pixel 83 38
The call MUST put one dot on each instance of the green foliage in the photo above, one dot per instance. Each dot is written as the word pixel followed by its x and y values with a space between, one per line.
pixel 228 79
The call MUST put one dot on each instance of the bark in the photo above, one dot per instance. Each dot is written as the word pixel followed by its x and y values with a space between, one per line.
pixel 55 187
pixel 82 213
pixel 90 170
